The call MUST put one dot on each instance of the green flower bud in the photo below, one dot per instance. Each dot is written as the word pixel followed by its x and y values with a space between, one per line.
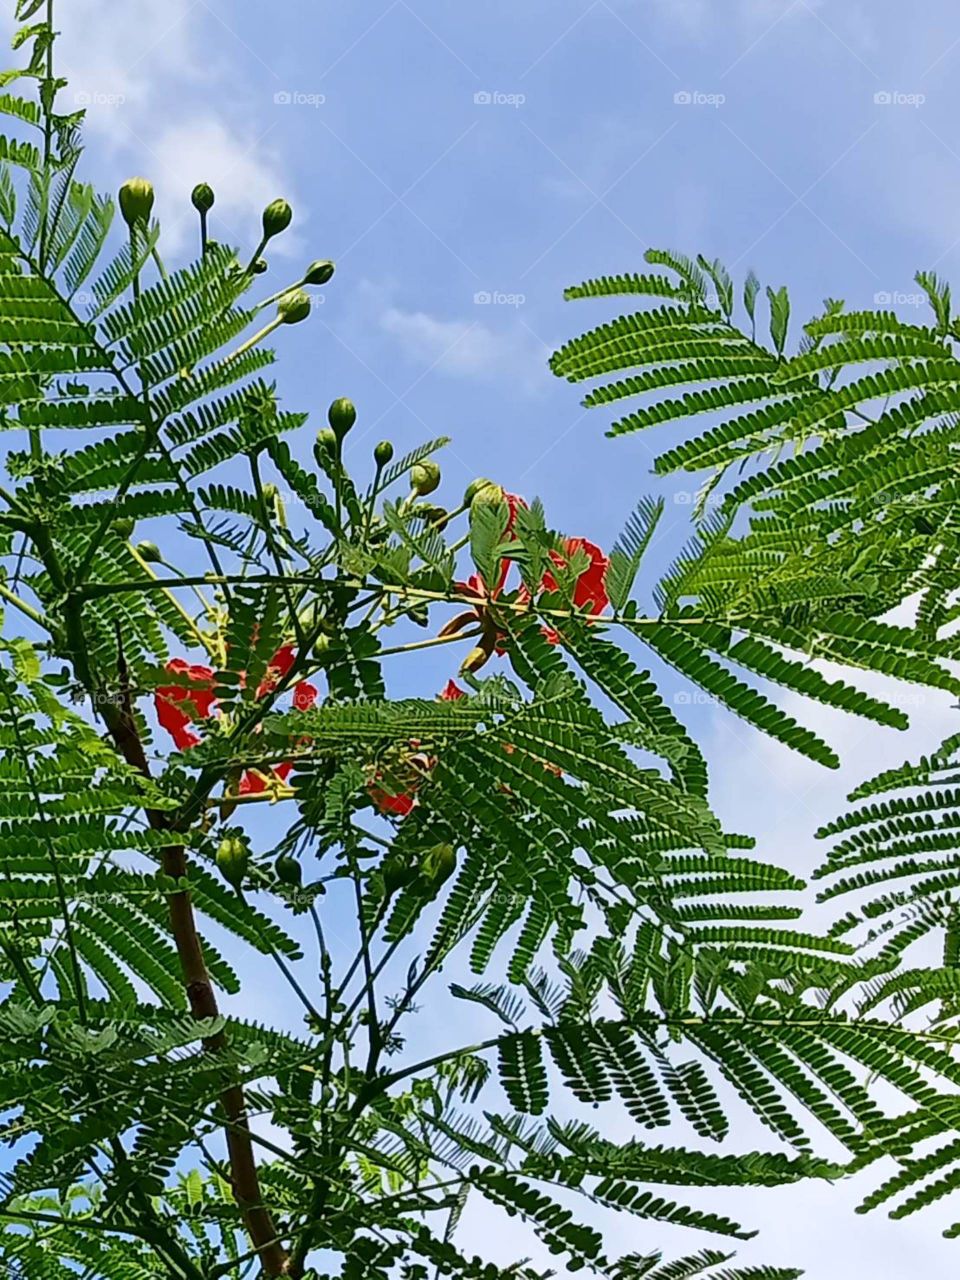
pixel 437 517
pixel 397 873
pixel 383 453
pixel 341 415
pixel 473 488
pixel 233 859
pixel 289 871
pixel 136 200
pixel 270 492
pixel 294 306
pixel 277 216
pixel 424 478
pixel 124 526
pixel 149 551
pixel 489 494
pixel 260 266
pixel 319 272
pixel 202 197
pixel 438 864
pixel 326 442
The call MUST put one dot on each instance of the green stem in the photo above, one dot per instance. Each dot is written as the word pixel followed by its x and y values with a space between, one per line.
pixel 201 639
pixel 28 610
pixel 257 253
pixel 281 293
pixel 275 551
pixel 259 336
pixel 427 644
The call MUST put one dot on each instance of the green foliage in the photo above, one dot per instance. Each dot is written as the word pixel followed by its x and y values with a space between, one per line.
pixel 548 828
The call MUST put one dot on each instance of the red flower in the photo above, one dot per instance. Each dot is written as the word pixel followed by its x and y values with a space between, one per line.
pixel 411 771
pixel 277 668
pixel 253 781
pixel 177 723
pixel 304 695
pixel 166 698
pixel 475 585
pixel 590 591
pixel 386 803
pixel 452 693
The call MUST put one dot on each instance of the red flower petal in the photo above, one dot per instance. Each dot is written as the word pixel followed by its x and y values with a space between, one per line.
pixel 304 696
pixel 452 693
pixel 386 803
pixel 176 722
pixel 278 666
pixel 590 591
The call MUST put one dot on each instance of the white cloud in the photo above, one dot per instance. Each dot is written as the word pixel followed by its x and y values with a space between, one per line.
pixel 146 78
pixel 127 51
pixel 242 177
pixel 469 348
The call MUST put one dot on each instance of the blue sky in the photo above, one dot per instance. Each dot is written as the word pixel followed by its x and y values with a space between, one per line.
pixel 446 153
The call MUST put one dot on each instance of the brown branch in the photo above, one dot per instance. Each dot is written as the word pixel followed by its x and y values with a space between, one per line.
pixel 200 995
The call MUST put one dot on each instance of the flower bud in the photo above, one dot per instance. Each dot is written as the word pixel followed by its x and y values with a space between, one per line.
pixel 489 494
pixel 437 517
pixel 473 488
pixel 136 200
pixel 277 216
pixel 319 272
pixel 475 659
pixel 326 442
pixel 397 873
pixel 438 865
pixel 341 415
pixel 149 551
pixel 424 478
pixel 270 492
pixel 289 871
pixel 260 266
pixel 123 527
pixel 383 453
pixel 293 307
pixel 233 860
pixel 202 197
